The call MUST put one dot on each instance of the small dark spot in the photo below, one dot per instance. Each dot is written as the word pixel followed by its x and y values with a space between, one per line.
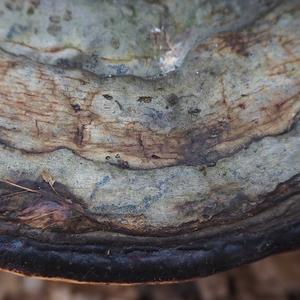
pixel 211 164
pixel 242 105
pixel 30 11
pixel 68 15
pixel 115 43
pixel 145 99
pixel 78 138
pixel 172 99
pixel 123 164
pixel 54 19
pixel 108 97
pixel 107 157
pixel 117 155
pixel 82 82
pixel 155 156
pixel 54 29
pixel 244 95
pixel 76 107
pixel 8 5
pixel 12 64
pixel 194 111
pixel 203 170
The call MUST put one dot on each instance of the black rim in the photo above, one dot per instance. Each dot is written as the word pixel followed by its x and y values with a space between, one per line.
pixel 100 263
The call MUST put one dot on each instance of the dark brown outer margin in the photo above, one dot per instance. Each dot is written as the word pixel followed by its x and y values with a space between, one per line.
pixel 101 263
pixel 129 259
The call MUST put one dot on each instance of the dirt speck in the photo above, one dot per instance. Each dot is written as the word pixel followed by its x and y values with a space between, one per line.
pixel 194 111
pixel 172 99
pixel 107 96
pixel 145 99
pixel 76 107
pixel 67 15
pixel 54 19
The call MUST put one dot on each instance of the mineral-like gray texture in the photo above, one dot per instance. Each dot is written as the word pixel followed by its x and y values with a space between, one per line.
pixel 144 38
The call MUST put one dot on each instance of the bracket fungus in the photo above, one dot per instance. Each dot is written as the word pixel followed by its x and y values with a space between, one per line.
pixel 146 141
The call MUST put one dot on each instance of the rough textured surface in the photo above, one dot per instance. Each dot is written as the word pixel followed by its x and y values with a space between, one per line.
pixel 275 278
pixel 201 137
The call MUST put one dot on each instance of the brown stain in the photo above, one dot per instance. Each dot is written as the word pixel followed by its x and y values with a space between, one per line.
pixel 242 105
pixel 237 42
pixel 55 209
pixel 203 144
pixel 46 209
pixel 62 122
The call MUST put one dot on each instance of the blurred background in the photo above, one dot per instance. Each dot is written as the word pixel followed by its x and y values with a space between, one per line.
pixel 274 278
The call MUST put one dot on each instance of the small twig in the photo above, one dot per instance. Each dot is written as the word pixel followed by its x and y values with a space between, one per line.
pixel 12 194
pixel 19 186
pixel 54 190
pixel 47 177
